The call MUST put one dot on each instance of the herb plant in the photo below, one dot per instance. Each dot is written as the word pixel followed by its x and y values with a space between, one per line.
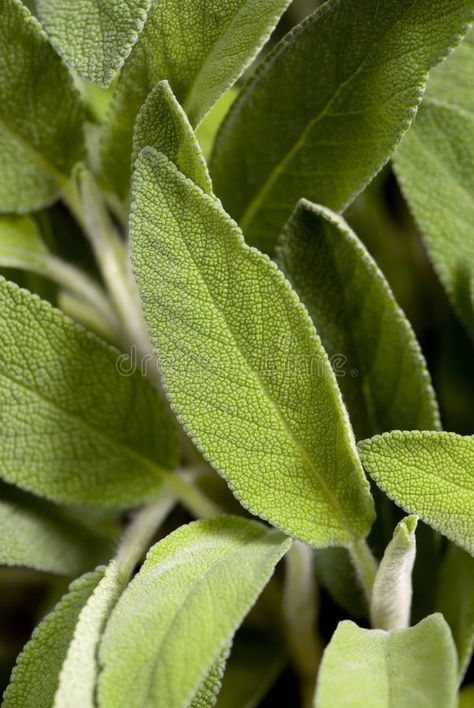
pixel 221 451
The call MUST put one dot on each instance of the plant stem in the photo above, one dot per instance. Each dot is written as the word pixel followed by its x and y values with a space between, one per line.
pixel 365 566
pixel 181 482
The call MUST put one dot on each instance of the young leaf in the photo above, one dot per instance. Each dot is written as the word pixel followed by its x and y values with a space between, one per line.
pixel 94 37
pixel 429 474
pixel 34 679
pixel 382 372
pixel 434 168
pixel 40 535
pixel 77 426
pixel 392 592
pixel 327 107
pixel 40 114
pixel 146 651
pixel 370 668
pixel 162 124
pixel 242 364
pixel 456 601
pixel 202 54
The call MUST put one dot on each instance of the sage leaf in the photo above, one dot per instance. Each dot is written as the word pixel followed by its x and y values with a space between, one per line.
pixel 392 591
pixel 434 168
pixel 456 602
pixel 94 37
pixel 210 687
pixel 328 106
pixel 243 366
pixel 35 677
pixel 41 114
pixel 201 56
pixel 77 425
pixel 430 474
pixel 39 535
pixel 162 124
pixel 378 362
pixel 370 668
pixel 146 653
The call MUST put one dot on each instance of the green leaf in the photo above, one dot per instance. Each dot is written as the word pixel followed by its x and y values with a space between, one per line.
pixel 456 601
pixel 77 425
pixel 327 107
pixel 40 535
pixel 242 364
pixel 201 56
pixel 466 697
pixel 378 362
pixel 22 233
pixel 146 652
pixel 335 573
pixel 434 168
pixel 429 474
pixel 35 677
pixel 392 591
pixel 208 129
pixel 40 114
pixel 210 687
pixel 369 668
pixel 162 124
pixel 94 37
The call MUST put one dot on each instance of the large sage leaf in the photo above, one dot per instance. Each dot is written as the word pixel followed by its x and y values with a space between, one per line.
pixel 94 37
pixel 35 677
pixel 242 363
pixel 429 474
pixel 379 364
pixel 434 166
pixel 75 426
pixel 146 652
pixel 201 56
pixel 40 114
pixel 327 107
pixel 368 668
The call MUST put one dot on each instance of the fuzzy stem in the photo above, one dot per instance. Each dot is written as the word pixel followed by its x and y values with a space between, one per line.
pixel 365 566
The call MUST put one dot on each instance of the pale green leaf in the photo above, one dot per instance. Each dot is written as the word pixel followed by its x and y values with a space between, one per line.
pixel 201 48
pixel 40 114
pixel 456 601
pixel 162 124
pixel 40 535
pixel 207 130
pixel 370 668
pixel 434 166
pixel 174 619
pixel 77 425
pixel 429 474
pixel 327 107
pixel 20 232
pixel 207 693
pixel 94 37
pixel 392 592
pixel 242 364
pixel 35 677
pixel 378 362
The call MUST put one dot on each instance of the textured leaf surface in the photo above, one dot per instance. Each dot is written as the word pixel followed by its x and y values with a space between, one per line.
pixel 207 693
pixel 435 169
pixel 328 106
pixel 162 124
pixel 173 620
pixel 392 591
pixel 242 363
pixel 456 601
pixel 40 535
pixel 94 37
pixel 367 668
pixel 201 48
pixel 73 429
pixel 35 676
pixel 429 474
pixel 40 114
pixel 381 371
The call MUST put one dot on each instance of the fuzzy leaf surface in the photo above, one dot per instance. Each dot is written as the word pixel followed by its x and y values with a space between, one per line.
pixel 243 366
pixel 174 620
pixel 427 473
pixel 328 106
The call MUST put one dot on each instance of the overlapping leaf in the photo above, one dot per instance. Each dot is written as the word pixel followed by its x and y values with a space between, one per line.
pixel 328 106
pixel 40 114
pixel 242 363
